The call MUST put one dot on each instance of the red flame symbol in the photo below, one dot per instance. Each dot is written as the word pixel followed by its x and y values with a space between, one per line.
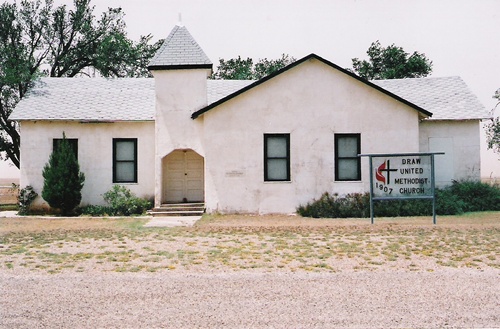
pixel 378 173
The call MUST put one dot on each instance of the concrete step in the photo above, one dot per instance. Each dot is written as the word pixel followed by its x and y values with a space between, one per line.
pixel 178 209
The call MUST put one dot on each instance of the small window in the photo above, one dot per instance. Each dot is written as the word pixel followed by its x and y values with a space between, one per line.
pixel 73 143
pixel 125 160
pixel 276 157
pixel 347 162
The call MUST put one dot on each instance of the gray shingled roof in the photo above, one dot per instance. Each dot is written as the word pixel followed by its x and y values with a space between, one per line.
pixel 133 99
pixel 179 49
pixel 98 99
pixel 447 98
pixel 85 99
pixel 218 89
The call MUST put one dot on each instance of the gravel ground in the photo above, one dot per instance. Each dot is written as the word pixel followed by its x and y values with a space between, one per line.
pixel 454 298
pixel 415 291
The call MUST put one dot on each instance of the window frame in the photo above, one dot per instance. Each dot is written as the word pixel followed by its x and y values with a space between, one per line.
pixel 338 158
pixel 286 136
pixel 115 161
pixel 73 143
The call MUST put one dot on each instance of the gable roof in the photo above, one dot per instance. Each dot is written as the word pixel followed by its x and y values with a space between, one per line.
pixel 133 99
pixel 179 51
pixel 102 100
pixel 448 98
pixel 84 99
pixel 296 63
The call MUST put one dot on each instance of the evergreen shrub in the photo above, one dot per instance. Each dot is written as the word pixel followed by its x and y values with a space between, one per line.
pixel 63 181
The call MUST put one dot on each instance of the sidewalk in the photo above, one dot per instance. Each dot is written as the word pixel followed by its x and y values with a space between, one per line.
pixel 172 221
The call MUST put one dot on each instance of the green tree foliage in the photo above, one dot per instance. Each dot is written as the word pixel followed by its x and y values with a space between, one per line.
pixel 63 181
pixel 493 128
pixel 391 62
pixel 244 69
pixel 38 39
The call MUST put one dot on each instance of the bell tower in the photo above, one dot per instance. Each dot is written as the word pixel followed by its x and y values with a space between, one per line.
pixel 180 69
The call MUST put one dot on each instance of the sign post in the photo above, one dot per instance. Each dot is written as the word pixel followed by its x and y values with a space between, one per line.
pixel 402 176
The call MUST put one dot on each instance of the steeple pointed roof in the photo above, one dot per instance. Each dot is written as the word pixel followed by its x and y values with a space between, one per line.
pixel 179 51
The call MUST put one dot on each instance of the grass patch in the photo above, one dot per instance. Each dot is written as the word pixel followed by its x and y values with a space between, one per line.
pixel 252 243
pixel 9 207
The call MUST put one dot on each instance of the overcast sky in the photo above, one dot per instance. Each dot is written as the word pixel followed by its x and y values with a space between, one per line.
pixel 461 37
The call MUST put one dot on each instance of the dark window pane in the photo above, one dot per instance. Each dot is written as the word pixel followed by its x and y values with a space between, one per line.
pixel 347 162
pixel 348 169
pixel 125 151
pixel 125 172
pixel 124 160
pixel 73 143
pixel 276 157
pixel 277 169
pixel 276 147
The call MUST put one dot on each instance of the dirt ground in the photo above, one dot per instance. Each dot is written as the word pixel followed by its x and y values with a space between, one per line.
pixel 256 223
pixel 251 272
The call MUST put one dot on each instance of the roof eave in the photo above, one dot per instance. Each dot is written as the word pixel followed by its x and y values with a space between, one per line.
pixel 180 67
pixel 458 119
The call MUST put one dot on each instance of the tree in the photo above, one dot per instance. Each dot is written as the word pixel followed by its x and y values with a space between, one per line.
pixel 493 128
pixel 244 69
pixel 391 62
pixel 37 39
pixel 63 181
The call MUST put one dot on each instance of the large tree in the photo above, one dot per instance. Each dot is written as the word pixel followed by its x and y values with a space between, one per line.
pixel 38 39
pixel 391 62
pixel 493 128
pixel 244 69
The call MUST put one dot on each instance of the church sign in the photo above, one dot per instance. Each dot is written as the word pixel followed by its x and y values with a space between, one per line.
pixel 402 176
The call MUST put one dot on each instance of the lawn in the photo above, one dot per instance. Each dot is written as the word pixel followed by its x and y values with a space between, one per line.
pixel 250 243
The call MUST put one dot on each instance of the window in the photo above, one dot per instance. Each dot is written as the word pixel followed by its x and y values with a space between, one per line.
pixel 73 143
pixel 276 157
pixel 347 162
pixel 125 160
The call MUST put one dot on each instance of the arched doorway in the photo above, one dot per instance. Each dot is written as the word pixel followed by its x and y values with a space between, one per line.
pixel 183 177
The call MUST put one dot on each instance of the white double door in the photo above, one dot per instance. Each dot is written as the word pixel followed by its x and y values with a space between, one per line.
pixel 183 178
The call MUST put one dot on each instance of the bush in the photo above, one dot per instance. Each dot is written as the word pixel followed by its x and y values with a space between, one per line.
pixel 121 202
pixel 63 181
pixel 456 199
pixel 25 198
pixel 96 211
pixel 477 196
pixel 448 203
pixel 402 208
pixel 333 206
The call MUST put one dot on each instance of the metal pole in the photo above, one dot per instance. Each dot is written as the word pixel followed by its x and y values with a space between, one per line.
pixel 371 190
pixel 433 188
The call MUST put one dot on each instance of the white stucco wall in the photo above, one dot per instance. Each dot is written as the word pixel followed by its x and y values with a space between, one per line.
pixel 95 155
pixel 460 140
pixel 179 93
pixel 311 102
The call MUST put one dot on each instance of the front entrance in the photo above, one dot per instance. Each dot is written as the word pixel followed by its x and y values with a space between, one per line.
pixel 183 177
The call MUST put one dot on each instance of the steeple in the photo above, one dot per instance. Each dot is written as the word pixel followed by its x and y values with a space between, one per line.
pixel 180 51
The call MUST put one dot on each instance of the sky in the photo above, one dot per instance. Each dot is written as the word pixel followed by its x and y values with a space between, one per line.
pixel 461 37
